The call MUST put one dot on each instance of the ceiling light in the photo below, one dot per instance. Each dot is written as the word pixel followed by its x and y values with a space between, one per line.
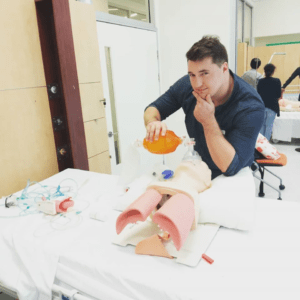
pixel 110 9
pixel 133 15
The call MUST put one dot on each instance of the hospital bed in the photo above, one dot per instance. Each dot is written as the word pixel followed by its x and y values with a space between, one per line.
pixel 81 262
pixel 287 126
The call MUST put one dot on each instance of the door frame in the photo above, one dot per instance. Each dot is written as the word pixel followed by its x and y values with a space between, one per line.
pixel 116 20
pixel 57 46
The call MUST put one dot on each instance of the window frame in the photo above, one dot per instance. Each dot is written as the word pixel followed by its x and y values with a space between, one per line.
pixel 109 18
pixel 244 4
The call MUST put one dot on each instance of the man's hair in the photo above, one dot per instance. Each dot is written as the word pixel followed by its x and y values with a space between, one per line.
pixel 269 70
pixel 255 63
pixel 208 46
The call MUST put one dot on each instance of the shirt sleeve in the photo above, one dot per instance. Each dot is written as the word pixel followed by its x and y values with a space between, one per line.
pixel 293 76
pixel 278 89
pixel 171 100
pixel 243 138
pixel 278 95
pixel 259 86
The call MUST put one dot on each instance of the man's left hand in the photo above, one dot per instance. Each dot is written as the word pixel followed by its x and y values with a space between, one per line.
pixel 204 111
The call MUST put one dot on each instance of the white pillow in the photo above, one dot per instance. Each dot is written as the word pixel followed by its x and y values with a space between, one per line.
pixel 265 148
pixel 229 202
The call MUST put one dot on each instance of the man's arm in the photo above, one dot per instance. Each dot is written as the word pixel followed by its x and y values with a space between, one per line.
pixel 153 124
pixel 279 95
pixel 151 114
pixel 233 151
pixel 220 150
pixel 293 76
pixel 164 106
pixel 278 89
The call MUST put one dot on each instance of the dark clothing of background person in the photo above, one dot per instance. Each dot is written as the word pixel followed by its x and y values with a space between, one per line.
pixel 269 89
pixel 292 77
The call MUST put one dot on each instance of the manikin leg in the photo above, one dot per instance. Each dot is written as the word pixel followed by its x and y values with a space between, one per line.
pixel 176 217
pixel 139 210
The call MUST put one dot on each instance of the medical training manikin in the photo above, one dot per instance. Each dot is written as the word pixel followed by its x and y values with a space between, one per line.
pixel 288 105
pixel 172 204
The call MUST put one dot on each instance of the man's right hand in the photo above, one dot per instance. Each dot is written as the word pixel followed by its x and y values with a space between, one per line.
pixel 282 91
pixel 153 130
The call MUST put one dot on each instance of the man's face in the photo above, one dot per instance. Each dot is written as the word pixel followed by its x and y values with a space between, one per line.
pixel 207 77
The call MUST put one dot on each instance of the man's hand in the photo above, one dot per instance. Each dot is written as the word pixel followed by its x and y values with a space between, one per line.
pixel 153 130
pixel 282 91
pixel 204 110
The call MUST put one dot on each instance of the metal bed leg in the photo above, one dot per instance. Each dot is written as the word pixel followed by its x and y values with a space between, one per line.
pixel 256 168
pixel 279 198
pixel 263 181
pixel 281 187
pixel 261 185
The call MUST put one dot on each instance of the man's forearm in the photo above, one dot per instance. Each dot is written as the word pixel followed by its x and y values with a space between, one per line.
pixel 221 151
pixel 151 114
pixel 292 77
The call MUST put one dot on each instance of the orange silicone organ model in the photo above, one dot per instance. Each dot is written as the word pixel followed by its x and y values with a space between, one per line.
pixel 164 145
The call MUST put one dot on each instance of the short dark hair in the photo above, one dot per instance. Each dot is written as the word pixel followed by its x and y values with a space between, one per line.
pixel 269 70
pixel 255 63
pixel 208 46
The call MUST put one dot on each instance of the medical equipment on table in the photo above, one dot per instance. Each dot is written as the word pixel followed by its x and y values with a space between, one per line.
pixel 164 145
pixel 117 266
pixel 53 207
pixel 288 105
pixel 131 161
pixel 48 199
pixel 172 203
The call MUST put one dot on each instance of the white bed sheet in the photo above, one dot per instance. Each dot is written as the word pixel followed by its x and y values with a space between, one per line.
pixel 261 264
pixel 30 248
pixel 286 127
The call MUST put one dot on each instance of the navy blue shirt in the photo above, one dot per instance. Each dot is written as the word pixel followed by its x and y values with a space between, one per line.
pixel 269 89
pixel 241 118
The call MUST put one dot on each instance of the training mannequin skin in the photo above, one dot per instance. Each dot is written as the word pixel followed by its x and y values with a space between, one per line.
pixel 179 214
pixel 285 104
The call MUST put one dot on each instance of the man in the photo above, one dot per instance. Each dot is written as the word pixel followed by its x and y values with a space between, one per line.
pixel 292 77
pixel 252 76
pixel 223 114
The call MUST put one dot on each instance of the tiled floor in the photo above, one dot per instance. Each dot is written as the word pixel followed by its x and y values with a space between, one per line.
pixel 290 174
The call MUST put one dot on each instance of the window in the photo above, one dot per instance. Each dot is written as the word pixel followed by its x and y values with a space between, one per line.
pixel 131 9
pixel 244 22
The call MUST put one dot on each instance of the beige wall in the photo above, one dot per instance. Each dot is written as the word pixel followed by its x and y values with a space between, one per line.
pixel 285 64
pixel 241 59
pixel 100 5
pixel 90 82
pixel 27 143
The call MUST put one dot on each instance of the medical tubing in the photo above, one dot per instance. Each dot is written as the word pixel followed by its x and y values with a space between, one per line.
pixel 32 197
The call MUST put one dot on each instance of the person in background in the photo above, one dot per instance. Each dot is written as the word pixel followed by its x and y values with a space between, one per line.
pixel 252 76
pixel 269 88
pixel 292 77
pixel 222 112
